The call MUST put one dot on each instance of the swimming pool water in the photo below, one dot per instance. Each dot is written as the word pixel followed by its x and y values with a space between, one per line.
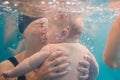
pixel 94 37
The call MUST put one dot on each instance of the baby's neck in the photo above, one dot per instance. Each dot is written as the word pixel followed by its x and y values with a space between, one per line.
pixel 71 41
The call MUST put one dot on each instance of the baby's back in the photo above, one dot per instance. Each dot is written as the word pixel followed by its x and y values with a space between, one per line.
pixel 76 52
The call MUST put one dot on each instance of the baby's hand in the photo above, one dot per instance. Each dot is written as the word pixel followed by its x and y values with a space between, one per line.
pixel 5 75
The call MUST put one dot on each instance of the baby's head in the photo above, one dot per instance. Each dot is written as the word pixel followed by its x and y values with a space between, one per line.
pixel 64 28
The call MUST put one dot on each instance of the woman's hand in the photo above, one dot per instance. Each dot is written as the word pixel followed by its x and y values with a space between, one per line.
pixel 83 68
pixel 55 66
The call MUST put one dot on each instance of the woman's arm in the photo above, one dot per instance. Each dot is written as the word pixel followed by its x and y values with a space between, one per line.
pixel 112 50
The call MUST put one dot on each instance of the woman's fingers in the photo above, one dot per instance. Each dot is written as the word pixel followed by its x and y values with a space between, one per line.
pixel 55 66
pixel 85 77
pixel 55 55
pixel 59 60
pixel 58 75
pixel 84 64
pixel 83 68
pixel 61 67
pixel 50 73
pixel 58 64
pixel 83 71
pixel 88 58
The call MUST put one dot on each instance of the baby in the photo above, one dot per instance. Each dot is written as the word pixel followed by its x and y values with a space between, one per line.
pixel 63 33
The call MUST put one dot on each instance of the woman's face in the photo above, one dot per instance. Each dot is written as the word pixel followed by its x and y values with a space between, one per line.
pixel 34 35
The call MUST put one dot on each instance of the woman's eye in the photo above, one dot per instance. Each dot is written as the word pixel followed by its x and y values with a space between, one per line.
pixel 40 25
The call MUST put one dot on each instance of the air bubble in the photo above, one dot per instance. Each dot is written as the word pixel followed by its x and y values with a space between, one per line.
pixel 43 2
pixel 6 3
pixel 68 3
pixel 50 3
pixel 19 37
pixel 14 45
pixel 88 38
pixel 92 47
pixel 54 0
pixel 57 2
pixel 15 5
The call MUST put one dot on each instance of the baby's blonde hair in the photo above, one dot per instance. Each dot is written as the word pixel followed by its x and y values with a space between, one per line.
pixel 75 25
pixel 72 22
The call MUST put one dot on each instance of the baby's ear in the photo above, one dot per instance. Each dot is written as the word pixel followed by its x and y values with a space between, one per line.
pixel 64 34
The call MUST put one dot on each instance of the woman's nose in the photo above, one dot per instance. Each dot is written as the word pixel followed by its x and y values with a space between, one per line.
pixel 44 30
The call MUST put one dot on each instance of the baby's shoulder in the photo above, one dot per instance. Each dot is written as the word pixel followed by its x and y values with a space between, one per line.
pixel 50 47
pixel 84 48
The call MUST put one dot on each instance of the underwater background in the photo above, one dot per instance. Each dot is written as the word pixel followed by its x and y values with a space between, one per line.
pixel 97 27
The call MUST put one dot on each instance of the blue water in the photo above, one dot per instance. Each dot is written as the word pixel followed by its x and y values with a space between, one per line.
pixel 94 38
pixel 2 56
pixel 12 40
pixel 96 42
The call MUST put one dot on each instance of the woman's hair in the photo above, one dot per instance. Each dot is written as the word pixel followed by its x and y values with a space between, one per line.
pixel 24 21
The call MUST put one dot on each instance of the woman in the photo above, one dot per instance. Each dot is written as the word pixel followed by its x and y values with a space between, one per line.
pixel 49 69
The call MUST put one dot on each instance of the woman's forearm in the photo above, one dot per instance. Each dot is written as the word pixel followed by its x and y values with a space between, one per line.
pixel 112 50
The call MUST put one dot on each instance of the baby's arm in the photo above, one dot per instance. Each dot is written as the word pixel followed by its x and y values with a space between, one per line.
pixel 28 64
